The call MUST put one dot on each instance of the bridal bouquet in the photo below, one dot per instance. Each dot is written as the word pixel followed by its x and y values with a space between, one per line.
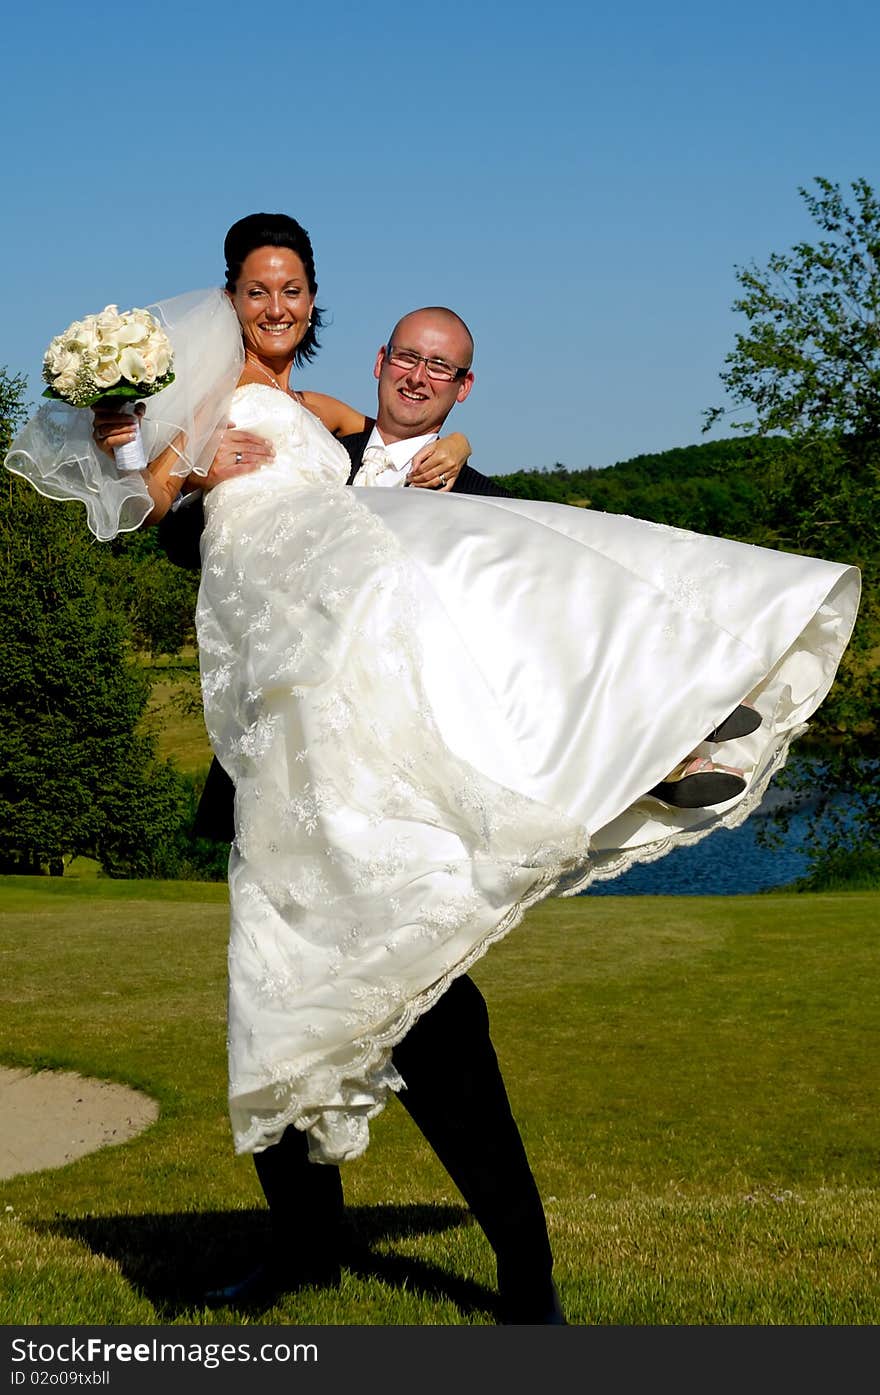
pixel 124 356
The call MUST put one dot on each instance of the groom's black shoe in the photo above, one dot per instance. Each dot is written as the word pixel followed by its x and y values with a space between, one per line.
pixel 702 788
pixel 538 1306
pixel 270 1280
pixel 743 720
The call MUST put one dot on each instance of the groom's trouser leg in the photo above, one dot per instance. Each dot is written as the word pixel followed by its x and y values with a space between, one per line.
pixel 305 1201
pixel 456 1095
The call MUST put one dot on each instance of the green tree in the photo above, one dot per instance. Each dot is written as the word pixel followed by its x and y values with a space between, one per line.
pixel 808 366
pixel 12 407
pixel 809 363
pixel 76 777
pixel 158 597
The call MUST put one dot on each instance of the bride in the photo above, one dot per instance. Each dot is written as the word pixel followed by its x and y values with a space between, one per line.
pixel 434 712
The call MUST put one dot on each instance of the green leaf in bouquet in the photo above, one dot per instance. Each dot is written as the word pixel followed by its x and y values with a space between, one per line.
pixel 122 391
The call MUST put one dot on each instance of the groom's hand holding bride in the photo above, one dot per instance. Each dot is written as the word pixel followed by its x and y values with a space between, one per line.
pixel 448 454
pixel 239 453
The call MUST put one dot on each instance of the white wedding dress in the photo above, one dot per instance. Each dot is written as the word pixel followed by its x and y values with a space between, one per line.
pixel 437 709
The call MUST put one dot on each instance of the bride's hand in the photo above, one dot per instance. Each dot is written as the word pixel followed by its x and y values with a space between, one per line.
pixel 112 428
pixel 438 464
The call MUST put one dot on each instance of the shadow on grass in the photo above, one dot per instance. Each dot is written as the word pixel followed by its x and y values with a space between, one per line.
pixel 174 1258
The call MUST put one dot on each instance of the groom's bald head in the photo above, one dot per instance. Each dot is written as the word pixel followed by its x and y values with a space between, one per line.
pixel 446 321
pixel 412 402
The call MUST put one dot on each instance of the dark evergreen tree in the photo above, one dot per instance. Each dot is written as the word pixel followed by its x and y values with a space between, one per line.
pixel 76 777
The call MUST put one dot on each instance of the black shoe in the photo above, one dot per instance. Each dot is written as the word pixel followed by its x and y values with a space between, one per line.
pixel 742 720
pixel 714 784
pixel 539 1308
pixel 266 1284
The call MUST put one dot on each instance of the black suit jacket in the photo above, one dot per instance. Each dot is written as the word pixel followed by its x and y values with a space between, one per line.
pixel 180 535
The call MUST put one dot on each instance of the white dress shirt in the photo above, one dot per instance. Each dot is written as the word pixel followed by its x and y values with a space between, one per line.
pixel 397 459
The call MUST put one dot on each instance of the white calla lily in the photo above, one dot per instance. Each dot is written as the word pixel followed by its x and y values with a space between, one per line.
pixel 132 365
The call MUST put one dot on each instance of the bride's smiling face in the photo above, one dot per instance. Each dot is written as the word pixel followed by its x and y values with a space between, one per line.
pixel 273 302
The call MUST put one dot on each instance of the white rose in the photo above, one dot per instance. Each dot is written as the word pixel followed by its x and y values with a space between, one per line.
pixel 65 383
pixel 148 374
pixel 106 373
pixel 83 336
pixel 61 361
pixel 158 347
pixel 109 318
pixel 143 320
pixel 111 330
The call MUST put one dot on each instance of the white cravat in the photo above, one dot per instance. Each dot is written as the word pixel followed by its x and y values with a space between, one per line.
pixel 387 465
pixel 376 461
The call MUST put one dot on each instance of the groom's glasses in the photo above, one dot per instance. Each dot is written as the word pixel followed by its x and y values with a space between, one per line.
pixel 436 368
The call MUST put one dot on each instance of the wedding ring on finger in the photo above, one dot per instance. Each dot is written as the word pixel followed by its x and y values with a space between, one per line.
pixel 442 481
pixel 238 457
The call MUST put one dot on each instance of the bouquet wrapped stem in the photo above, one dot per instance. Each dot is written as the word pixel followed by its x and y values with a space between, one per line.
pixel 131 456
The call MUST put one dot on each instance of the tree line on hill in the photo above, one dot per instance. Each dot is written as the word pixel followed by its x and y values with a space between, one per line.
pixel 78 776
pixel 712 488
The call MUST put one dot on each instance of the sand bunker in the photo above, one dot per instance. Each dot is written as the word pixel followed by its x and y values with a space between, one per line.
pixel 52 1117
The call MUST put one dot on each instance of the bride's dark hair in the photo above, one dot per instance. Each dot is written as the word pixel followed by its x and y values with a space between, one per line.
pixel 275 230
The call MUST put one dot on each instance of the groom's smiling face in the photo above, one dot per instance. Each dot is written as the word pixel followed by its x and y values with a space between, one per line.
pixel 411 403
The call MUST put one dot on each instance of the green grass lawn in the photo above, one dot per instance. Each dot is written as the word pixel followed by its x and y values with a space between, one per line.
pixel 695 1079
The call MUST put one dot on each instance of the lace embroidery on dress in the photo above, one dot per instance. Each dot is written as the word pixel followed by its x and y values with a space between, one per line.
pixel 317 767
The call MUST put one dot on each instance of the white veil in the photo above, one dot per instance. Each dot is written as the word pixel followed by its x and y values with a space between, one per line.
pixel 55 450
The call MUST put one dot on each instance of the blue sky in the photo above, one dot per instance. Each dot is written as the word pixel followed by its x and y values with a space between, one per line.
pixel 577 181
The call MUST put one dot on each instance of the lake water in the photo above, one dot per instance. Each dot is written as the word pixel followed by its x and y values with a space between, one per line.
pixel 729 862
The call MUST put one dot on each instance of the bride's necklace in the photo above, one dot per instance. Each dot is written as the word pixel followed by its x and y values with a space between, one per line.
pixel 272 379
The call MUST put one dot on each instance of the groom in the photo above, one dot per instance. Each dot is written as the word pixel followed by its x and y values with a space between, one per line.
pixel 454 1090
